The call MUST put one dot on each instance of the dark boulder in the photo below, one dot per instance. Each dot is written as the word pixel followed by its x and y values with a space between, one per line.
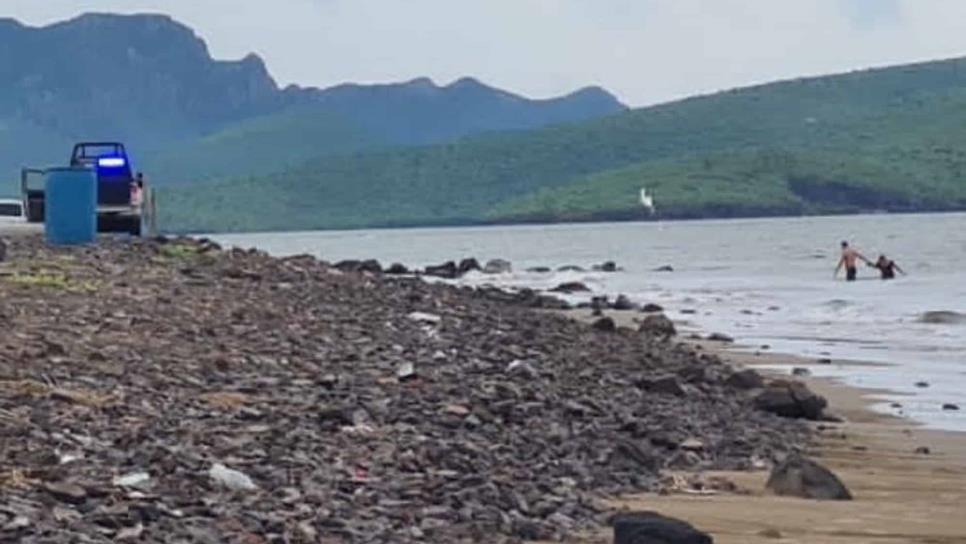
pixel 653 528
pixel 666 385
pixel 397 269
pixel 745 379
pixel 599 304
pixel 570 287
pixel 605 324
pixel 539 269
pixel 498 266
pixel 608 266
pixel 447 270
pixel 466 266
pixel 950 407
pixel 624 303
pixel 792 400
pixel 720 337
pixel 665 268
pixel 651 308
pixel 797 476
pixel 371 266
pixel 570 268
pixel 658 325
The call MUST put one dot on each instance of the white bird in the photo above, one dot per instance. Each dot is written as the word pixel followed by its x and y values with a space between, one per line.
pixel 647 200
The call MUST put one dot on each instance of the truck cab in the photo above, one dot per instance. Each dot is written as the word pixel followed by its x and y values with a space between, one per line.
pixel 114 176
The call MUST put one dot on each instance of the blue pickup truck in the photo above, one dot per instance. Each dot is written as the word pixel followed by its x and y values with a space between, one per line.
pixel 124 203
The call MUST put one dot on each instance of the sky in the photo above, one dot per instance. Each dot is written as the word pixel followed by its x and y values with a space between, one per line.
pixel 644 51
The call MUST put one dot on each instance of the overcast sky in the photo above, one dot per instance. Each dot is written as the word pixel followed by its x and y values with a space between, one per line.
pixel 645 51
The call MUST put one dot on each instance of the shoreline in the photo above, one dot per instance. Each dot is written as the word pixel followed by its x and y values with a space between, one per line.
pixel 901 495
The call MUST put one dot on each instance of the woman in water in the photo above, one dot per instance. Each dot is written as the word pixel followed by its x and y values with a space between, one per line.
pixel 887 267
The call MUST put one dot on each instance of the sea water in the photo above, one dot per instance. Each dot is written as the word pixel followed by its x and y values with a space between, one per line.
pixel 767 282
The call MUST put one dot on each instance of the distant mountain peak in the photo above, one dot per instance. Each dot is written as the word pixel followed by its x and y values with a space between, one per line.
pixel 467 81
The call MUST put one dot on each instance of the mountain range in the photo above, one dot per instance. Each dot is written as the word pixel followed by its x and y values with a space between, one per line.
pixel 151 82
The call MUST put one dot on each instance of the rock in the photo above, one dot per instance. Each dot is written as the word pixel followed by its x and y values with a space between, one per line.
pixel 456 410
pixel 949 407
pixel 497 266
pixel 539 269
pixel 608 266
pixel 230 478
pixel 3 250
pixel 666 385
pixel 406 371
pixel 397 269
pixel 791 400
pixel 605 324
pixel 665 268
pixel 522 369
pixel 447 270
pixel 922 385
pixel 18 523
pixel 371 266
pixel 66 492
pixel 797 476
pixel 137 480
pixel 651 308
pixel 770 533
pixel 653 528
pixel 745 379
pixel 570 287
pixel 720 337
pixel 424 317
pixel 800 371
pixel 570 268
pixel 825 361
pixel 623 303
pixel 943 318
pixel 129 533
pixel 598 305
pixel 466 266
pixel 658 325
pixel 692 444
pixel 922 450
pixel 689 311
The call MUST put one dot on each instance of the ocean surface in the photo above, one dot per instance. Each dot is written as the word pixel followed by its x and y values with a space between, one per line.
pixel 766 282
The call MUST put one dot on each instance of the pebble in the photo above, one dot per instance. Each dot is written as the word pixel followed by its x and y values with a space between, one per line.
pixel 135 480
pixel 230 478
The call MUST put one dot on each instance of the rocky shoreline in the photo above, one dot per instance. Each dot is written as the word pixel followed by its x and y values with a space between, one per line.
pixel 172 391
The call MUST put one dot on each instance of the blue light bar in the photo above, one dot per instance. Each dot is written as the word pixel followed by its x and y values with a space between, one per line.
pixel 111 162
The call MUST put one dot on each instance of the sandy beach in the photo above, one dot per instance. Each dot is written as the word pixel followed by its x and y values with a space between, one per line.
pixel 901 496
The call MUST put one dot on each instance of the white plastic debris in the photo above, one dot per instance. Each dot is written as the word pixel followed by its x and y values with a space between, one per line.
pixel 230 478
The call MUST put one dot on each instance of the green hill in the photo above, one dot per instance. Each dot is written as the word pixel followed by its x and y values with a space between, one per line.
pixel 891 139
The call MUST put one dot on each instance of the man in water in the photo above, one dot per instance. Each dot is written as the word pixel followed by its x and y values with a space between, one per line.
pixel 848 260
pixel 887 268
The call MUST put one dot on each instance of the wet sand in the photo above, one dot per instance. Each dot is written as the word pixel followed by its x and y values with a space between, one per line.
pixel 900 496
